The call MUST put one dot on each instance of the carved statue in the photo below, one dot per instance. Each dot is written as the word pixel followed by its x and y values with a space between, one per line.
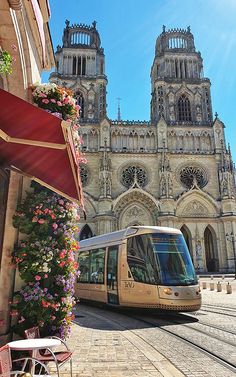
pixel 198 248
pixel 224 186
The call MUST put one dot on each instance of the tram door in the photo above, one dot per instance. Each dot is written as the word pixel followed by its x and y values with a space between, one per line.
pixel 112 272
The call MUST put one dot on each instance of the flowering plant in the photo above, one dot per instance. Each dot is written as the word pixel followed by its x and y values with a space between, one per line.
pixel 5 62
pixel 56 100
pixel 46 262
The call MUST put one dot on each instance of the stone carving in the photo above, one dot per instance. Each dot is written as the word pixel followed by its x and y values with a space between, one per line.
pixel 135 215
pixel 105 187
pixel 195 209
pixel 135 212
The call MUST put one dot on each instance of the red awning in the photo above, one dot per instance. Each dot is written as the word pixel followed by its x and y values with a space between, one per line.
pixel 39 145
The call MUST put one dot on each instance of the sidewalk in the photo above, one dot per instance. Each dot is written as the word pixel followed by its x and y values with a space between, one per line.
pixel 103 348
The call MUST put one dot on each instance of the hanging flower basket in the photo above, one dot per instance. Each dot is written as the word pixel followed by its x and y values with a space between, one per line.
pixel 56 100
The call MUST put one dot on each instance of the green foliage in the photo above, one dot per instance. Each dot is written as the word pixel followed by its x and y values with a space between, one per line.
pixel 5 62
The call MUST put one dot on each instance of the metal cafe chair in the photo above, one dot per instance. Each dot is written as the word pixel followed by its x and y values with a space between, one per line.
pixel 59 357
pixel 26 362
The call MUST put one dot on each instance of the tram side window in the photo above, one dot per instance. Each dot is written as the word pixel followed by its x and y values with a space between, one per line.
pixel 141 259
pixel 84 266
pixel 97 266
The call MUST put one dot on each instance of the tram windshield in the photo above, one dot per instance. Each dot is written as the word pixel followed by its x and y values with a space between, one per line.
pixel 174 263
pixel 160 258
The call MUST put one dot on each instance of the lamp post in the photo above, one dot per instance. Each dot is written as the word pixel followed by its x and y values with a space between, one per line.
pixel 231 237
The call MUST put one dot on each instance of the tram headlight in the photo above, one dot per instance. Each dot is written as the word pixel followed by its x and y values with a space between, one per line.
pixel 167 291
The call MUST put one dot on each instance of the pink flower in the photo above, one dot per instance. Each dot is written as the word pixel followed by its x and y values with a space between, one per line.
pixel 37 277
pixel 66 100
pixel 45 100
pixel 41 221
pixel 61 202
pixel 55 226
pixel 53 100
pixel 42 95
pixel 34 219
pixel 58 115
pixel 59 103
pixel 45 276
pixel 14 47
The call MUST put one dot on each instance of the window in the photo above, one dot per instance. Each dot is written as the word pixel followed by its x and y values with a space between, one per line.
pixel 97 266
pixel 91 266
pixel 84 175
pixel 84 267
pixel 141 259
pixel 184 109
pixel 132 174
pixel 190 175
pixel 80 102
pixel 74 66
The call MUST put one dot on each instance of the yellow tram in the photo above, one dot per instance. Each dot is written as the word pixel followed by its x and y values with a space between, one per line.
pixel 138 267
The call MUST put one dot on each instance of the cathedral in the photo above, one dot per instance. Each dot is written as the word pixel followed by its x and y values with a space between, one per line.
pixel 174 170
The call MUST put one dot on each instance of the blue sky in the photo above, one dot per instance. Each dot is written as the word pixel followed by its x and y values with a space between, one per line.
pixel 128 31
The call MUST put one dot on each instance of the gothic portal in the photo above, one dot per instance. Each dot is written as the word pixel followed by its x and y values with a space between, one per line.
pixel 174 170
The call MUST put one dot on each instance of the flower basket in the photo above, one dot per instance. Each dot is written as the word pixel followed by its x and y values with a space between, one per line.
pixel 56 100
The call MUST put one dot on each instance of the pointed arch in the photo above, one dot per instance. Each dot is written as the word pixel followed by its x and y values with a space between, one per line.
pixel 196 203
pixel 86 232
pixel 136 206
pixel 211 254
pixel 188 238
pixel 184 109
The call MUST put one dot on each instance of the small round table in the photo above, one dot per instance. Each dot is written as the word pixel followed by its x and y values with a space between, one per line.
pixel 33 344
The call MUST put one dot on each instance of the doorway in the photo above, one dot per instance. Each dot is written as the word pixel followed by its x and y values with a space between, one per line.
pixel 112 275
pixel 188 239
pixel 212 262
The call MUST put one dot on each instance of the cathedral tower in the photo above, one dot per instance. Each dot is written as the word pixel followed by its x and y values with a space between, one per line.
pixel 80 66
pixel 180 93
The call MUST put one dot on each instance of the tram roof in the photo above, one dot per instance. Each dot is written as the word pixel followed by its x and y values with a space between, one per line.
pixel 124 233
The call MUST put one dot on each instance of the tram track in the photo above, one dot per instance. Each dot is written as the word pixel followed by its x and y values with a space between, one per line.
pixel 167 327
pixel 222 308
pixel 213 355
pixel 200 321
pixel 220 311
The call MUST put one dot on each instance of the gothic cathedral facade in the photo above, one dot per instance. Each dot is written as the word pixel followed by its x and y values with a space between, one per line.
pixel 174 170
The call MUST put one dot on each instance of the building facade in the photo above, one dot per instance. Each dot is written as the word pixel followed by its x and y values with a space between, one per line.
pixel 174 170
pixel 23 26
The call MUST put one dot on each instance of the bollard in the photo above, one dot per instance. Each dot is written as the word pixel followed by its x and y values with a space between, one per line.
pixel 204 285
pixel 228 288
pixel 219 287
pixel 223 276
pixel 212 285
pixel 212 277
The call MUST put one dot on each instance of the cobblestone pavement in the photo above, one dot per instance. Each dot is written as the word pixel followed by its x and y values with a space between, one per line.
pixel 108 343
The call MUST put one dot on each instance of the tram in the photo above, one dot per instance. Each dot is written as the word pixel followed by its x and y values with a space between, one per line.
pixel 138 267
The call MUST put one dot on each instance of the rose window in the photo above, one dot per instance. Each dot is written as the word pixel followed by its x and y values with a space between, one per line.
pixel 84 175
pixel 191 175
pixel 134 174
